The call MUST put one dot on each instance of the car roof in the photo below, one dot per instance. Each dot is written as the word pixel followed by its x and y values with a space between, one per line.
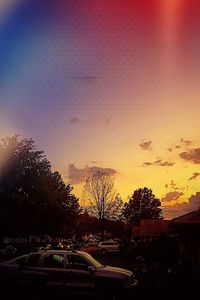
pixel 46 251
pixel 52 251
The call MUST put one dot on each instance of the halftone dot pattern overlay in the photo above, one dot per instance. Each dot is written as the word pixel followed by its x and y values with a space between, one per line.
pixel 107 84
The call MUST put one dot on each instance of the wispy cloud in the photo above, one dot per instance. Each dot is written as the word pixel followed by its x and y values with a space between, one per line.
pixel 158 162
pixel 181 144
pixel 173 147
pixel 77 175
pixel 192 155
pixel 186 142
pixel 163 163
pixel 173 186
pixel 147 164
pixel 85 78
pixel 146 145
pixel 106 121
pixel 74 120
pixel 194 176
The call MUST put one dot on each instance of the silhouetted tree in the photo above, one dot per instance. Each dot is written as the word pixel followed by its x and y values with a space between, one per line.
pixel 100 198
pixel 63 205
pixel 86 224
pixel 117 229
pixel 33 199
pixel 142 205
pixel 114 209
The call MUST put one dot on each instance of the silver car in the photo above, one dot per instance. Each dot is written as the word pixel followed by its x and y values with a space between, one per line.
pixel 68 271
pixel 108 246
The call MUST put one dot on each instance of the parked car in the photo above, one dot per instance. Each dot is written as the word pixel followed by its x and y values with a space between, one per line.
pixel 91 243
pixel 52 245
pixel 72 246
pixel 91 248
pixel 68 271
pixel 108 246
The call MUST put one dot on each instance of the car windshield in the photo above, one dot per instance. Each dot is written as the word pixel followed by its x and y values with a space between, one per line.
pixel 17 260
pixel 93 261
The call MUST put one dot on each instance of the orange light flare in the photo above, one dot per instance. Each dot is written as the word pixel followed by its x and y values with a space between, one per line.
pixel 170 22
pixel 6 7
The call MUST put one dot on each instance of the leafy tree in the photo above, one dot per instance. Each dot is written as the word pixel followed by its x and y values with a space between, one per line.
pixel 142 205
pixel 62 204
pixel 100 198
pixel 33 199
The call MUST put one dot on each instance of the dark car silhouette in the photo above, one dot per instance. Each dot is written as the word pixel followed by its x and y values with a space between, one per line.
pixel 69 271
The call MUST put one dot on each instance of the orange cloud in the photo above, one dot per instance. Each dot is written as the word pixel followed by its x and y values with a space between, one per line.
pixel 170 196
pixel 77 175
pixel 146 145
pixel 172 211
pixel 192 155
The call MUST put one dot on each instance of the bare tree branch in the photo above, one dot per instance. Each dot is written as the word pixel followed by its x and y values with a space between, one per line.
pixel 100 197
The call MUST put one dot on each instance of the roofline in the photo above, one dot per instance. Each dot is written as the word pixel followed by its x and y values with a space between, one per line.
pixel 193 211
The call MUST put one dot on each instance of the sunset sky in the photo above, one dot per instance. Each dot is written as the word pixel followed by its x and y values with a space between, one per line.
pixel 111 85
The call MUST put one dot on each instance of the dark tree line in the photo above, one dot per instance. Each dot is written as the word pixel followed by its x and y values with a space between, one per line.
pixel 33 199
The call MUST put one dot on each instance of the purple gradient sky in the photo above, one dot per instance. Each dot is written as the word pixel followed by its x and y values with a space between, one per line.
pixel 92 80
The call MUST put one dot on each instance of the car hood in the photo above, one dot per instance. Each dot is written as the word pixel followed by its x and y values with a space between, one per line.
pixel 117 270
pixel 114 273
